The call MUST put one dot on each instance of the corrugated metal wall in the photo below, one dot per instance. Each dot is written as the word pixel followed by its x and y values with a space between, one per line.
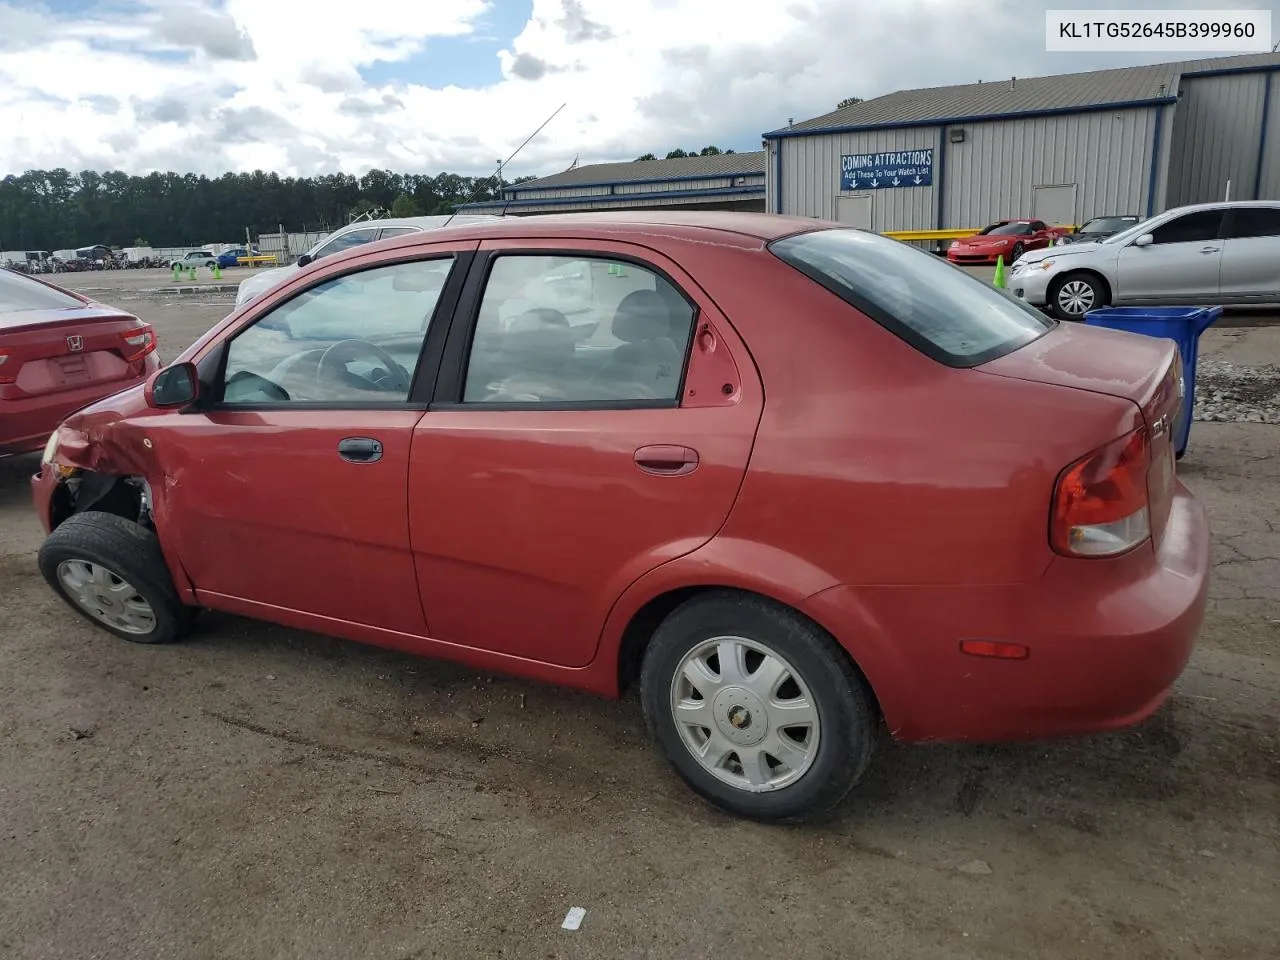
pixel 1217 130
pixel 1107 155
pixel 1269 185
pixel 811 177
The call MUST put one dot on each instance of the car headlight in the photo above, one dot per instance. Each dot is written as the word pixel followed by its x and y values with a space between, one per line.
pixel 50 448
pixel 50 455
pixel 1046 264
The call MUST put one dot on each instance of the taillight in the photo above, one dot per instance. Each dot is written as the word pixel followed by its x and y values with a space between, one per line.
pixel 138 343
pixel 11 378
pixel 1100 504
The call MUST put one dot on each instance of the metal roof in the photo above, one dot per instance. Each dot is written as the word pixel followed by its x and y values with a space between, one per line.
pixel 638 171
pixel 1059 93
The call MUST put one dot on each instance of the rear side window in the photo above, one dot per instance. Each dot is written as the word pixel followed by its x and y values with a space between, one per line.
pixel 1254 222
pixel 934 306
pixel 19 293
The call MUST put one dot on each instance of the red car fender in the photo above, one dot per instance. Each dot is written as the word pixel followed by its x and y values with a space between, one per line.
pixel 761 569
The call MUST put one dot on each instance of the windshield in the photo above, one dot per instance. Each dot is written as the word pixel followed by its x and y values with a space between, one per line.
pixel 1007 229
pixel 18 293
pixel 1108 224
pixel 1137 230
pixel 935 306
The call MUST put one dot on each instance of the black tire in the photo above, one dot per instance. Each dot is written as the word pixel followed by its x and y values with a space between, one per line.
pixel 847 721
pixel 1018 250
pixel 129 551
pixel 1099 295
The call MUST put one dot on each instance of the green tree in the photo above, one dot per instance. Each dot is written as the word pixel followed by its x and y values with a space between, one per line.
pixel 647 156
pixel 405 206
pixel 848 102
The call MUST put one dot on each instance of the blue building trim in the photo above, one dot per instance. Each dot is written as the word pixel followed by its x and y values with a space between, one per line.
pixel 694 178
pixel 787 132
pixel 1262 138
pixel 777 178
pixel 1156 139
pixel 1229 71
pixel 738 192
pixel 940 179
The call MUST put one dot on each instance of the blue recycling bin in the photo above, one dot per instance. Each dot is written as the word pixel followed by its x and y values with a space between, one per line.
pixel 1182 325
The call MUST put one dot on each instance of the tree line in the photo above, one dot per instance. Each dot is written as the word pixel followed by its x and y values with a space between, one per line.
pixel 57 209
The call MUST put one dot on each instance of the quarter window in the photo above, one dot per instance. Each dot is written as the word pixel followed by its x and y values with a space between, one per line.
pixel 1189 228
pixel 355 338
pixel 555 329
pixel 396 232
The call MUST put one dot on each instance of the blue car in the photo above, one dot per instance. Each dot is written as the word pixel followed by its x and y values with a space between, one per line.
pixel 229 257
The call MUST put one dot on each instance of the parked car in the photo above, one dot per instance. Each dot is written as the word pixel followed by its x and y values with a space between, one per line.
pixel 231 258
pixel 1099 228
pixel 916 502
pixel 196 258
pixel 1225 253
pixel 1006 238
pixel 353 235
pixel 58 352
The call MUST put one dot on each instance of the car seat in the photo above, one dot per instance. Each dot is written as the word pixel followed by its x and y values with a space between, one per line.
pixel 647 360
pixel 534 360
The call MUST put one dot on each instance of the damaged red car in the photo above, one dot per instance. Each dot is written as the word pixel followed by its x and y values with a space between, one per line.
pixel 58 352
pixel 797 483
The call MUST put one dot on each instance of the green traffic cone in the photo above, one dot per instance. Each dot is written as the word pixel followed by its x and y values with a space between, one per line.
pixel 999 278
pixel 177 273
pixel 217 272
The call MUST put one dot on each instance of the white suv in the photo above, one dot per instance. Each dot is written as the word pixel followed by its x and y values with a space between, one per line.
pixel 353 235
pixel 1224 253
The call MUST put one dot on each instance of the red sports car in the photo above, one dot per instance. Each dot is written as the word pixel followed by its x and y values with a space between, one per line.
pixel 1007 238
pixel 800 482
pixel 58 352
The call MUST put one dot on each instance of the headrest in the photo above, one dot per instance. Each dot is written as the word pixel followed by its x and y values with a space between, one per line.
pixel 538 335
pixel 642 315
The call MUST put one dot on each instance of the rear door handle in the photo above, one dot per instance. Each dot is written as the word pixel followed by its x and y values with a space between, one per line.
pixel 360 449
pixel 1210 249
pixel 667 460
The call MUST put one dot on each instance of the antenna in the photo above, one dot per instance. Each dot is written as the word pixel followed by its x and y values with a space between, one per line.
pixel 498 172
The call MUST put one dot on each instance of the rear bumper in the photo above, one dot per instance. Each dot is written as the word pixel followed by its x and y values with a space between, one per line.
pixel 25 424
pixel 1107 641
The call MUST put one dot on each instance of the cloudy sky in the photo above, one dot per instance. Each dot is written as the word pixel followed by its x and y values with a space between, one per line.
pixel 316 86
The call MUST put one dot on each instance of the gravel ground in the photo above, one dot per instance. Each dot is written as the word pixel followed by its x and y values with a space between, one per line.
pixel 258 792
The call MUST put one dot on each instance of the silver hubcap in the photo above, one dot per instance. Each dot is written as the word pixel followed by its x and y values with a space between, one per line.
pixel 745 714
pixel 1075 298
pixel 106 597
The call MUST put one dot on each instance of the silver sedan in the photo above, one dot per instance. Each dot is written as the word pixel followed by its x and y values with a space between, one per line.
pixel 1210 253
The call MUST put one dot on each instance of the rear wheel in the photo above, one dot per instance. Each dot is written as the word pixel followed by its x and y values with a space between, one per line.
pixel 111 571
pixel 758 710
pixel 1075 295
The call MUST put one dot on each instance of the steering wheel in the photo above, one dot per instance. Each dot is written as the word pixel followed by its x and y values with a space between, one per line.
pixel 333 365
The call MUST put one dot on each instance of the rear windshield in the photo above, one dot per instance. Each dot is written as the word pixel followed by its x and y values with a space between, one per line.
pixel 19 293
pixel 936 307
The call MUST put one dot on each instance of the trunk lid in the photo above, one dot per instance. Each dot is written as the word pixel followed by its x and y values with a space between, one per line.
pixel 1144 370
pixel 47 351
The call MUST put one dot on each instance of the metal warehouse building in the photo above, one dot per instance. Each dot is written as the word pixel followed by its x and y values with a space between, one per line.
pixel 726 181
pixel 1062 148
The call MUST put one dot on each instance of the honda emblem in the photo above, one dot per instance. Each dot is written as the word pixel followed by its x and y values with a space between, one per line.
pixel 75 343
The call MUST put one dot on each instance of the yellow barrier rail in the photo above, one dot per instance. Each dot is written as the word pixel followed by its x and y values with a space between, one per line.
pixel 258 261
pixel 917 235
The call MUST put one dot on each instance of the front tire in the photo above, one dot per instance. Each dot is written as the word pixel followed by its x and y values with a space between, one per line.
pixel 1018 250
pixel 758 710
pixel 111 571
pixel 1075 295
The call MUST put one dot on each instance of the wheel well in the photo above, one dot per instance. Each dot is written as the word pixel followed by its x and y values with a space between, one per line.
pixel 102 493
pixel 638 633
pixel 1092 274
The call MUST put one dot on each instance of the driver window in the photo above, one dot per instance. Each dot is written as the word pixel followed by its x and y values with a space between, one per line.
pixel 345 242
pixel 1191 228
pixel 355 338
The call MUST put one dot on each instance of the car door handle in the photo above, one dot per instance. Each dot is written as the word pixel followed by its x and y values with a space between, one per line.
pixel 360 449
pixel 1210 249
pixel 666 460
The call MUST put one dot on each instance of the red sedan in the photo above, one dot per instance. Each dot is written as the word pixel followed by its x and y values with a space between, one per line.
pixel 800 482
pixel 1007 238
pixel 58 352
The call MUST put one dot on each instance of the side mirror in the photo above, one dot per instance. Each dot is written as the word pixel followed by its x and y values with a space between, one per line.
pixel 1144 241
pixel 304 259
pixel 174 386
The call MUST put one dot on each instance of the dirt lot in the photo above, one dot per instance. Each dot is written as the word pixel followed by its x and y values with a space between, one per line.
pixel 258 792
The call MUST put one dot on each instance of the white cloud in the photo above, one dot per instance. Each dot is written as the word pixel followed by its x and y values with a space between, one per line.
pixel 209 86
